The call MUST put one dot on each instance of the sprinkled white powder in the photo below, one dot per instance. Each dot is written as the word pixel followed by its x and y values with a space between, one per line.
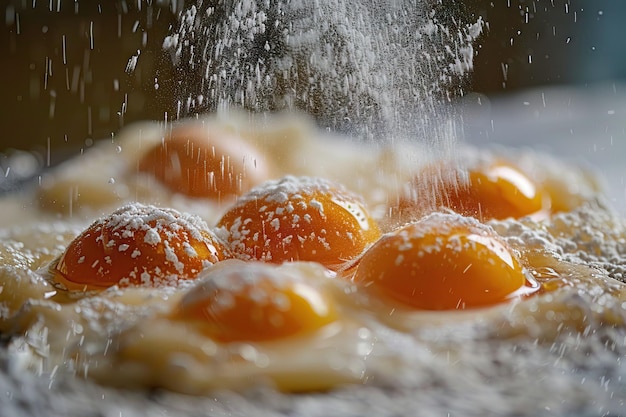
pixel 357 66
pixel 145 278
pixel 295 220
pixel 258 295
pixel 189 250
pixel 152 237
pixel 225 300
pixel 317 206
pixel 299 198
pixel 126 234
pixel 170 256
pixel 588 236
pixel 281 301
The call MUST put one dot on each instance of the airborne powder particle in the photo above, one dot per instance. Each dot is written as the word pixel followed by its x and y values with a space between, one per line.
pixel 364 67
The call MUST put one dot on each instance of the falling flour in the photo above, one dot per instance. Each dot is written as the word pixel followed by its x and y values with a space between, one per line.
pixel 370 68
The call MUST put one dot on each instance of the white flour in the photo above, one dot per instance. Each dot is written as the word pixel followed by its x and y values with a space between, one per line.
pixel 368 67
pixel 372 68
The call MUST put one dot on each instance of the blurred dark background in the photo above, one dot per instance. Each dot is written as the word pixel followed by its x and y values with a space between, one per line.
pixel 66 75
pixel 73 71
pixel 549 42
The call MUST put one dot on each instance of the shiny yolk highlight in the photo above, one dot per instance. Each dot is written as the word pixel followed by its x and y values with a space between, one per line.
pixel 489 191
pixel 306 219
pixel 254 302
pixel 443 262
pixel 203 162
pixel 139 245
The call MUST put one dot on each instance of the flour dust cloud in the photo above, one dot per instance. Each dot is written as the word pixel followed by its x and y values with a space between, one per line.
pixel 373 69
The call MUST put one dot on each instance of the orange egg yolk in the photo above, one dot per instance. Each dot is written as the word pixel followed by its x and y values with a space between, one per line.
pixel 306 219
pixel 254 302
pixel 202 162
pixel 489 191
pixel 442 262
pixel 139 245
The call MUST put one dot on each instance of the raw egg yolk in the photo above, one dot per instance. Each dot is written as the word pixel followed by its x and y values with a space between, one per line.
pixel 489 191
pixel 254 302
pixel 201 161
pixel 300 218
pixel 139 245
pixel 442 262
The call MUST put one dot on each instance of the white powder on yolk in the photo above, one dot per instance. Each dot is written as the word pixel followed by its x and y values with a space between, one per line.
pixel 152 237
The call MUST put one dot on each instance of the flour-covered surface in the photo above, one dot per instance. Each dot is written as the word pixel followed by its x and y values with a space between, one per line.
pixel 184 346
pixel 577 376
pixel 129 350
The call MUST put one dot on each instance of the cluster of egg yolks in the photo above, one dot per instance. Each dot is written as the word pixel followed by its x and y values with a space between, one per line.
pixel 442 262
pixel 254 302
pixel 202 162
pixel 488 191
pixel 300 218
pixel 139 245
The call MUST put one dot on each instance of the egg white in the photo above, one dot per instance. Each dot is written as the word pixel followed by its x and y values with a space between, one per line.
pixel 124 337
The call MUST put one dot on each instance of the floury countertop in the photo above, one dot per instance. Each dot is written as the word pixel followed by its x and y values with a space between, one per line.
pixel 586 126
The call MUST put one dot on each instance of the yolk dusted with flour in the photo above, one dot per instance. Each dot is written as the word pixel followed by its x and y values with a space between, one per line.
pixel 254 302
pixel 442 262
pixel 300 218
pixel 486 191
pixel 201 161
pixel 139 245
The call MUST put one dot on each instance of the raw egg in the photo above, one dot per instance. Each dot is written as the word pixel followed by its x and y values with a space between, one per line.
pixel 442 262
pixel 300 218
pixel 139 245
pixel 201 161
pixel 255 302
pixel 241 324
pixel 495 190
